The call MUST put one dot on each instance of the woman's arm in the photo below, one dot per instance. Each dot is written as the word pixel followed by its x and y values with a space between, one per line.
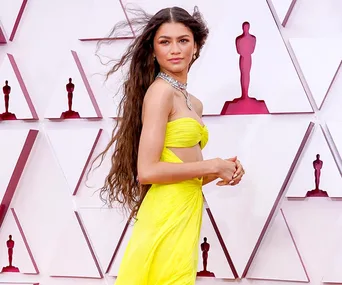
pixel 157 106
pixel 208 178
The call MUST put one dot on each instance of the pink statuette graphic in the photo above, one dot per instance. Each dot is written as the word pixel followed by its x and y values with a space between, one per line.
pixel 205 247
pixel 7 115
pixel 10 245
pixel 245 46
pixel 70 114
pixel 317 165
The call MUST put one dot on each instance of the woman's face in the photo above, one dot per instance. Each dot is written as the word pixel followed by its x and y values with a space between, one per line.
pixel 174 47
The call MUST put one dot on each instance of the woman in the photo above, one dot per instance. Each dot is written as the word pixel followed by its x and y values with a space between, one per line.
pixel 157 166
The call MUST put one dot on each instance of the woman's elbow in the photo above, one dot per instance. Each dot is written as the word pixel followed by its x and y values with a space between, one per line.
pixel 144 177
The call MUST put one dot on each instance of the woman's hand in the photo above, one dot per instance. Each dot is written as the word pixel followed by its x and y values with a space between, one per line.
pixel 237 175
pixel 225 170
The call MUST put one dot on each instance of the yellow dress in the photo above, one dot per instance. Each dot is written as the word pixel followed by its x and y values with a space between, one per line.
pixel 163 249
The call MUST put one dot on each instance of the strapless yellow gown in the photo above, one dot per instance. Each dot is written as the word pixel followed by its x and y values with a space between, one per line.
pixel 163 249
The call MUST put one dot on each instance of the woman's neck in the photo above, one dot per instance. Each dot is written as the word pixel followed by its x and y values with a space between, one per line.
pixel 180 76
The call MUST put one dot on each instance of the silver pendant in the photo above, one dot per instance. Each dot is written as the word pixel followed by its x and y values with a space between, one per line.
pixel 188 102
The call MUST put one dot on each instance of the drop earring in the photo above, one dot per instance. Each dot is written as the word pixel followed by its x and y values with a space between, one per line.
pixel 194 57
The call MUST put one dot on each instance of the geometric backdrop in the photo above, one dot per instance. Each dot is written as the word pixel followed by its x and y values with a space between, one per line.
pixel 281 225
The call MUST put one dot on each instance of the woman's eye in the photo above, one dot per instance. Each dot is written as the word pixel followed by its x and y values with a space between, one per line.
pixel 164 42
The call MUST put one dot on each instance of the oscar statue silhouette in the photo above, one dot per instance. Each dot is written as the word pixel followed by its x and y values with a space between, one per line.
pixel 317 165
pixel 245 46
pixel 205 249
pixel 70 114
pixel 10 267
pixel 7 115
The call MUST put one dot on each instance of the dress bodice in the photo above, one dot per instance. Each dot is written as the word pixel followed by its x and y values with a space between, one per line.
pixel 183 132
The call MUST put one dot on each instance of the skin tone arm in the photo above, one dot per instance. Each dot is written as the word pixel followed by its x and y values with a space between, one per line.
pixel 157 106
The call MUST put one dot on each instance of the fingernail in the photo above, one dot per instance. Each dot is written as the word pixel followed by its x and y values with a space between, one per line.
pixel 235 175
pixel 231 182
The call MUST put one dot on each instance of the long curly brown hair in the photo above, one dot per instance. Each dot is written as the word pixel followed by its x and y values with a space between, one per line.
pixel 122 184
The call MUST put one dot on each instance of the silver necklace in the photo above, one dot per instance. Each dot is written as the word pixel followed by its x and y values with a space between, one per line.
pixel 177 85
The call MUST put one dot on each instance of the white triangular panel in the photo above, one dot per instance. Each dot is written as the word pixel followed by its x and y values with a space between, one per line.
pixel 108 90
pixel 277 257
pixel 282 8
pixel 303 178
pixel 72 148
pixel 114 269
pixel 18 98
pixel 268 70
pixel 316 228
pixel 95 221
pixel 333 273
pixel 21 254
pixel 9 17
pixel 83 100
pixel 335 128
pixel 10 150
pixel 319 59
pixel 88 194
pixel 72 256
pixel 107 11
pixel 217 261
pixel 251 201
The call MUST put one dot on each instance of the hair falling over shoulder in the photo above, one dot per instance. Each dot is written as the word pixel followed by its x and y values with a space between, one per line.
pixel 121 184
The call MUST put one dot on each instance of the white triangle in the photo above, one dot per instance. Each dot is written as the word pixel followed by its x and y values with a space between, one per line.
pixel 21 254
pixel 217 261
pixel 319 59
pixel 333 273
pixel 19 99
pixel 8 19
pixel 72 148
pixel 72 256
pixel 107 11
pixel 114 269
pixel 83 100
pixel 10 150
pixel 96 67
pixel 336 134
pixel 282 8
pixel 303 178
pixel 271 62
pixel 331 107
pixel 316 227
pixel 95 220
pixel 88 194
pixel 251 201
pixel 277 257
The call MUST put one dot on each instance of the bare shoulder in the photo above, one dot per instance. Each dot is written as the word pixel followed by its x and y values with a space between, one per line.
pixel 159 96
pixel 159 90
pixel 198 105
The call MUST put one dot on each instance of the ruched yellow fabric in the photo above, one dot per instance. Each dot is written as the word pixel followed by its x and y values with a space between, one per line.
pixel 163 248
